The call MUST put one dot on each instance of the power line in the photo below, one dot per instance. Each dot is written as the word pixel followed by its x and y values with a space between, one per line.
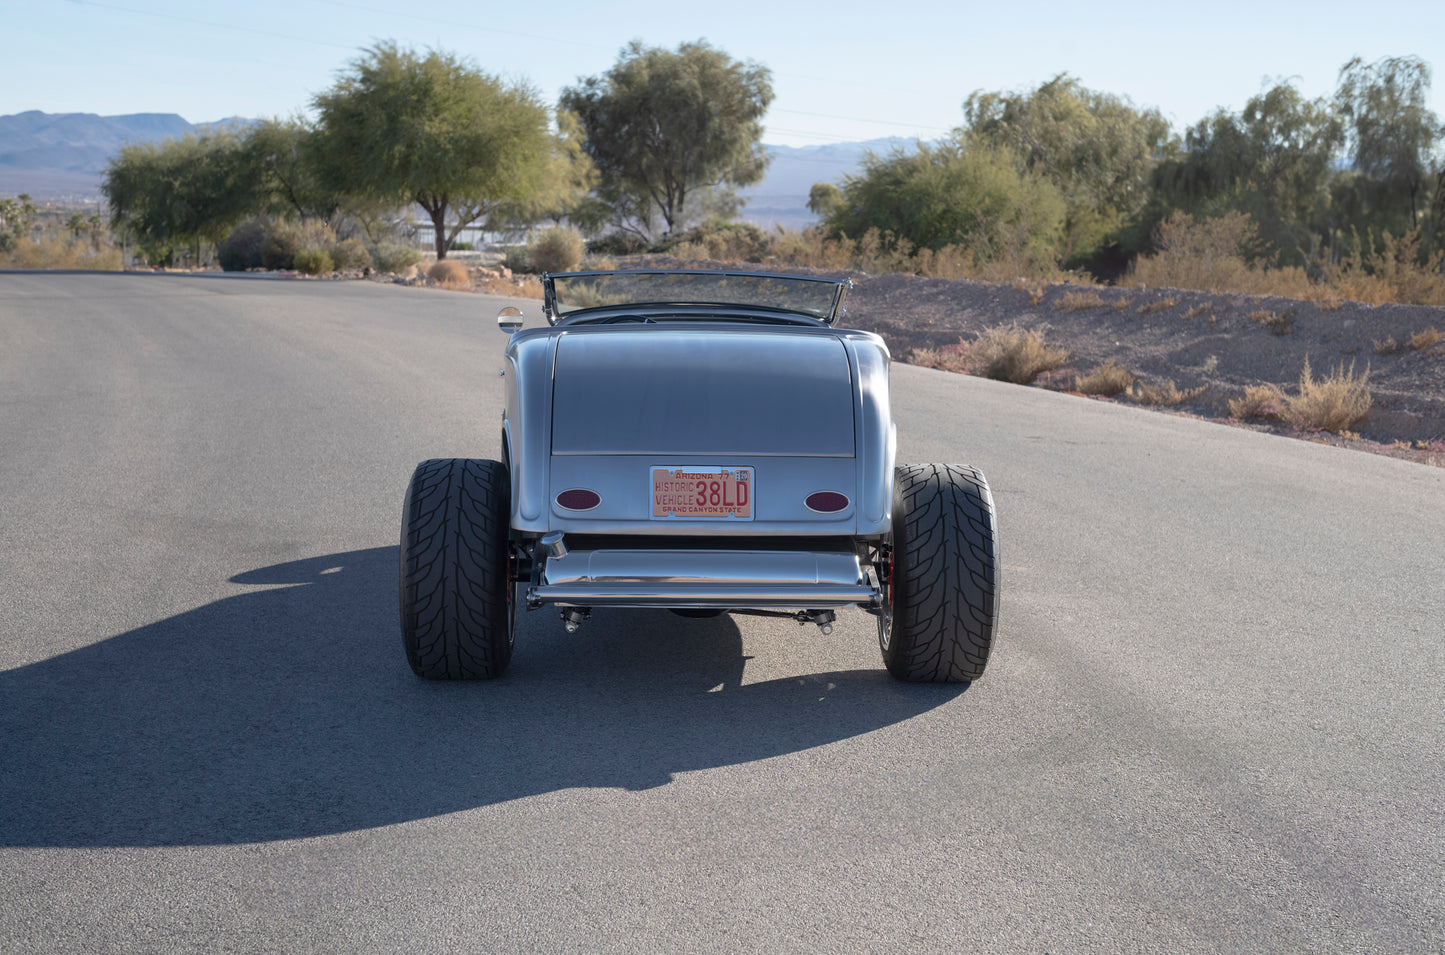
pixel 225 27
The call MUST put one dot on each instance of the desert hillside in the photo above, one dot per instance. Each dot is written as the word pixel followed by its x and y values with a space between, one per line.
pixel 1211 346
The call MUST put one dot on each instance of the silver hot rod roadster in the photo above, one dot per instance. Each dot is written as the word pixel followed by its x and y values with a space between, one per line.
pixel 701 442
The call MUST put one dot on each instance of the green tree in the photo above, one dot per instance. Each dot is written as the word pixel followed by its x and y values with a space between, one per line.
pixel 281 150
pixel 664 126
pixel 954 193
pixel 180 191
pixel 561 191
pixel 1097 149
pixel 824 199
pixel 1273 161
pixel 402 127
pixel 1392 133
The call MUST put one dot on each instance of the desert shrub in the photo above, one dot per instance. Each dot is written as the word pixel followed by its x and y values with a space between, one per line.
pixel 449 272
pixel 1105 379
pixel 1219 254
pixel 1160 305
pixel 1167 393
pixel 243 248
pixel 728 242
pixel 1337 403
pixel 313 262
pixel 393 258
pixel 285 239
pixel 351 254
pixel 1076 301
pixel 1194 311
pixel 51 253
pixel 1008 353
pixel 1198 254
pixel 616 243
pixel 1423 340
pixel 1278 323
pixel 517 259
pixel 1033 287
pixel 1264 401
pixel 556 250
pixel 811 249
pixel 958 358
pixel 1387 269
pixel 1387 347
pixel 282 244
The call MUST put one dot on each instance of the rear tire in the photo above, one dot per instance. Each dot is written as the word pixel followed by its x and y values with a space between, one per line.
pixel 944 586
pixel 457 612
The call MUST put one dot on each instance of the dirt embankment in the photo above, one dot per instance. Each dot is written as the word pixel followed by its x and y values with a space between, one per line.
pixel 1218 342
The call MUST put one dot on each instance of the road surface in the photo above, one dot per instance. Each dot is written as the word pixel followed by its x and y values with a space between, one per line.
pixel 1212 723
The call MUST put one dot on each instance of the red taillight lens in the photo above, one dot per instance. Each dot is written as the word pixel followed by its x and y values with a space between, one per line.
pixel 826 502
pixel 578 499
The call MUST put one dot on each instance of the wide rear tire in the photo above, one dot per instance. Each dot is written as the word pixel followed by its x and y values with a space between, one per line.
pixel 457 611
pixel 944 585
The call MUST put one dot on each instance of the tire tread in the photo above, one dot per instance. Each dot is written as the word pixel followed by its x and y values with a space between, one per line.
pixel 453 575
pixel 947 570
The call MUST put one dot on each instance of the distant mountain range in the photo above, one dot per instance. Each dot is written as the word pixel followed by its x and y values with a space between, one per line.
pixel 62 156
pixel 782 196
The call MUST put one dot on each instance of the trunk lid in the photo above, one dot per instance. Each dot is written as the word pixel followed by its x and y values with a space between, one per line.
pixel 701 390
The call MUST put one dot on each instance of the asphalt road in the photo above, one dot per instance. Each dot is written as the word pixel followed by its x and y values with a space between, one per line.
pixel 1212 723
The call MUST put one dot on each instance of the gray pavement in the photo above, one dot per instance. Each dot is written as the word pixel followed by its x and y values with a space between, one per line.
pixel 1212 723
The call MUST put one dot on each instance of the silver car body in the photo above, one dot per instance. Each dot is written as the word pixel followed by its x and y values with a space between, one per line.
pixel 638 396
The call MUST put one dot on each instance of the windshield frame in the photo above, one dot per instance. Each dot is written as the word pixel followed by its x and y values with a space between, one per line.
pixel 827 314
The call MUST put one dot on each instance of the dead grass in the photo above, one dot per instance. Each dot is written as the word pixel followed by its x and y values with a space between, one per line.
pixel 1278 323
pixel 1033 287
pixel 1004 353
pixel 449 273
pixel 956 358
pixel 54 253
pixel 1167 393
pixel 1337 403
pixel 1203 308
pixel 519 286
pixel 1386 347
pixel 1383 269
pixel 1423 340
pixel 1221 255
pixel 1008 353
pixel 1014 257
pixel 1106 379
pixel 1160 305
pixel 1266 402
pixel 1078 301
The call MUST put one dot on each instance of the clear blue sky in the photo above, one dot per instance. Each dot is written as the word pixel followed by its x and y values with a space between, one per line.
pixel 841 71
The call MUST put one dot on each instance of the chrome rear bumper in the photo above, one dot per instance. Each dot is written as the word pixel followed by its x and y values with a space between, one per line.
pixel 709 579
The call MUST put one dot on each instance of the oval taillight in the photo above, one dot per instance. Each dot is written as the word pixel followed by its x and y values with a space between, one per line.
pixel 578 499
pixel 826 502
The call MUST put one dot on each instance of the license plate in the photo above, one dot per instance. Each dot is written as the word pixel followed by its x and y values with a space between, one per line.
pixel 706 494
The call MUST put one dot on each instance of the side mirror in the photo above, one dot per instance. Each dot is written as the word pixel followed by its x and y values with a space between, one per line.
pixel 509 319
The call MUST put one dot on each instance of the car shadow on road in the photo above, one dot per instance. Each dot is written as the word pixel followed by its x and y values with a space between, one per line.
pixel 289 712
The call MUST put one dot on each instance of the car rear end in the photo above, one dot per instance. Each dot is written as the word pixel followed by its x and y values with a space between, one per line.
pixel 704 465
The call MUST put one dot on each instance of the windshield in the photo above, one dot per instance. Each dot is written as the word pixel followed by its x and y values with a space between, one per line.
pixel 814 297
